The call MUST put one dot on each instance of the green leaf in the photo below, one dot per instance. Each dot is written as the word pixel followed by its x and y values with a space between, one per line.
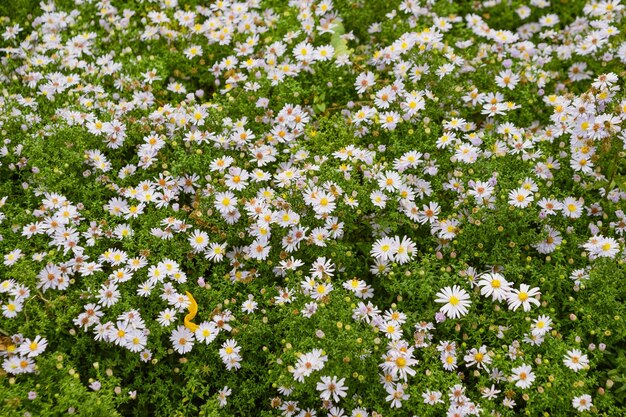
pixel 337 42
pixel 320 106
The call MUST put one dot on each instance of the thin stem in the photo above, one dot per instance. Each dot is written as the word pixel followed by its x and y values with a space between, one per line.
pixel 615 167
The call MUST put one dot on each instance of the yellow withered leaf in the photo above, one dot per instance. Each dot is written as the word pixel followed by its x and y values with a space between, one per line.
pixel 193 310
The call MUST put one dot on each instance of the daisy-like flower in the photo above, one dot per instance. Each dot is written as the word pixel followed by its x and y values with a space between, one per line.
pixel 355 285
pixel 12 257
pixel 448 228
pixel 384 248
pixel 259 249
pixel 494 285
pixel 456 301
pixel 478 357
pixel 229 350
pixel 18 365
pixel 523 376
pixel 364 81
pixel 524 297
pixel 405 250
pixel 541 325
pixel 575 360
pixel 582 403
pixel 507 79
pixel 490 393
pixel 32 348
pixel 11 308
pixel 324 203
pixel 221 164
pixel 448 361
pixel 206 332
pixel 550 205
pixel 389 181
pixel 432 397
pixel 332 389
pixel 225 202
pixel 359 412
pixel 236 179
pixel 391 329
pixel 135 264
pixel 572 207
pixel 324 53
pixel 378 198
pixel 322 267
pixel 396 395
pixel 320 290
pixel 550 243
pixel 389 120
pixel 136 341
pixel 167 317
pixel 182 339
pixel 193 51
pixel 145 355
pixel 249 306
pixel 399 363
pixel 215 252
pixel 145 288
pixel 303 52
pixel 308 363
pixel 7 285
pixel 395 316
pixel 108 295
pixel 380 267
pixel 222 396
pixel 176 87
pixel 198 240
pixel 508 402
pixel 605 80
pixel 520 197
pixel 607 247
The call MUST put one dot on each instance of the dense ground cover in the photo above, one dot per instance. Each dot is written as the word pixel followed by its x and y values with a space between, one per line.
pixel 312 208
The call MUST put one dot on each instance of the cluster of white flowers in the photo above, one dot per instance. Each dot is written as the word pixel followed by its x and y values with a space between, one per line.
pixel 18 353
pixel 256 193
pixel 308 363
